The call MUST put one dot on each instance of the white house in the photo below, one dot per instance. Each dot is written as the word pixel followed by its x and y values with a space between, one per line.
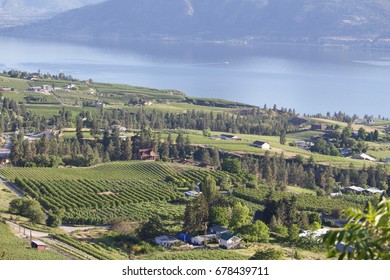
pixel 262 145
pixel 166 241
pixel 229 241
pixel 199 240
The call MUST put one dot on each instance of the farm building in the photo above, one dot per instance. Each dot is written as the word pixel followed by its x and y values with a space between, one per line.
pixel 230 137
pixel 36 244
pixel 298 121
pixel 166 241
pixel 229 241
pixel 364 156
pixel 369 191
pixel 191 193
pixel 147 154
pixel 262 145
pixel 319 127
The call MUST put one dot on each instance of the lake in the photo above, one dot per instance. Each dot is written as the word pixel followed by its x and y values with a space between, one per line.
pixel 308 78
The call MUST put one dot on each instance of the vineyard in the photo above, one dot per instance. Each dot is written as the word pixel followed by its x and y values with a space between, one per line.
pixel 97 195
pixel 305 202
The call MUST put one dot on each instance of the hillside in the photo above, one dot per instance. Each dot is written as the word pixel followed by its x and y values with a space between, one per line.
pixel 327 21
pixel 18 12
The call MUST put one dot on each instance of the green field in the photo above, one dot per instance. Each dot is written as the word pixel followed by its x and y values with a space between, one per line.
pixel 19 249
pixel 5 197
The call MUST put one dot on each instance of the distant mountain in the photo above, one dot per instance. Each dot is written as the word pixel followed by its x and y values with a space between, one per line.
pixel 18 12
pixel 323 21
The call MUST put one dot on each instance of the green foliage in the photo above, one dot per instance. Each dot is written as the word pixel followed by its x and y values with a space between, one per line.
pixel 151 229
pixel 15 248
pixel 256 232
pixel 220 215
pixel 293 233
pixel 196 215
pixel 366 236
pixel 268 254
pixel 231 165
pixel 209 187
pixel 28 208
pixel 196 255
pixel 240 216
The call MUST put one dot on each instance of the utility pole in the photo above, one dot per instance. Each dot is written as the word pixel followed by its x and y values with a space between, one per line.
pixel 205 233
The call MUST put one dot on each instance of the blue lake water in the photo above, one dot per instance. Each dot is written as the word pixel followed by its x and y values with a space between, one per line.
pixel 309 79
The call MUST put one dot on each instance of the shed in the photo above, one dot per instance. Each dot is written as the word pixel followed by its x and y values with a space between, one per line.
pixel 40 246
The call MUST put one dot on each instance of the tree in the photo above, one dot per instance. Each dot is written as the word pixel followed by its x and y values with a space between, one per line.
pixel 196 215
pixel 268 254
pixel 231 165
pixel 209 187
pixel 256 232
pixel 28 208
pixel 366 236
pixel 282 139
pixel 240 216
pixel 220 215
pixel 152 228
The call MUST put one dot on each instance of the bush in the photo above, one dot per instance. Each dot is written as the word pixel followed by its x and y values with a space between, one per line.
pixel 268 254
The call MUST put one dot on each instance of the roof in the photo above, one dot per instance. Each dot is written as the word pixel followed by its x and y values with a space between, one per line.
pixel 357 189
pixel 227 236
pixel 366 157
pixel 38 243
pixel 374 190
pixel 227 136
pixel 191 193
pixel 259 143
pixel 167 239
pixel 219 229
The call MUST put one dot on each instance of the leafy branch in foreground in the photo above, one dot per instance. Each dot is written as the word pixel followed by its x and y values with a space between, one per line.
pixel 366 236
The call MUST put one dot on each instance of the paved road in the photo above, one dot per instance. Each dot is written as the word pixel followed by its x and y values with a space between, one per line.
pixel 12 187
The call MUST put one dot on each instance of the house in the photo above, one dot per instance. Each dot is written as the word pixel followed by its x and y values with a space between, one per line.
pixel 229 241
pixel 166 241
pixel 345 152
pixel 147 154
pixel 71 86
pixel 262 145
pixel 373 191
pixel 36 244
pixel 303 144
pixel 7 89
pixel 364 156
pixel 199 240
pixel 319 127
pixel 120 128
pixel 219 230
pixel 354 189
pixel 4 161
pixel 369 121
pixel 47 88
pixel 230 137
pixel 297 121
pixel 35 89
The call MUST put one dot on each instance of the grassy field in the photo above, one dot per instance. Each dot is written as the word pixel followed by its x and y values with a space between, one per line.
pixel 19 249
pixel 5 197
pixel 276 148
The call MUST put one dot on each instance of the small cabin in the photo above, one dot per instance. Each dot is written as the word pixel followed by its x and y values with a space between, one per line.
pixel 40 246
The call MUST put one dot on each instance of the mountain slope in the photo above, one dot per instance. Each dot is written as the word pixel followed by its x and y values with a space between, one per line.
pixel 17 12
pixel 291 20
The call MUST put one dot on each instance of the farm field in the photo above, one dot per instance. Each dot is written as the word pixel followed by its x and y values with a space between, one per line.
pixel 128 190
